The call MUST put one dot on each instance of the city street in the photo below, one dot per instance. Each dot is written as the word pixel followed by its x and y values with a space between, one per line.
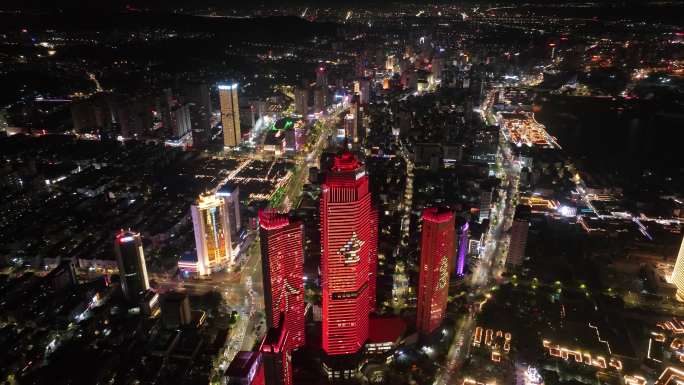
pixel 400 277
pixel 491 264
pixel 310 159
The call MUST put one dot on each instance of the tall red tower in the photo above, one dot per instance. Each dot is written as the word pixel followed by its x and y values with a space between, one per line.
pixel 346 240
pixel 282 262
pixel 437 251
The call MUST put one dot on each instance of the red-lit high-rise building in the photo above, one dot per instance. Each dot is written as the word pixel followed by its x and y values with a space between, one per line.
pixel 437 251
pixel 282 259
pixel 346 240
pixel 276 357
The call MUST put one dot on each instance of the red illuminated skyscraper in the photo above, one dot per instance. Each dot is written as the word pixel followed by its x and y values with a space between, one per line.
pixel 282 258
pixel 437 250
pixel 277 362
pixel 346 240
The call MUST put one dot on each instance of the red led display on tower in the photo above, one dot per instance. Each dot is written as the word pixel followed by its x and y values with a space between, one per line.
pixel 282 258
pixel 437 251
pixel 347 243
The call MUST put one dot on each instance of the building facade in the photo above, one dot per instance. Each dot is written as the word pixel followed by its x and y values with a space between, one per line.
pixel 282 258
pixel 321 77
pixel 346 239
pixel 301 99
pixel 180 121
pixel 245 369
pixel 275 353
pixel 519 230
pixel 678 273
pixel 437 250
pixel 212 234
pixel 230 114
pixel 131 261
pixel 230 196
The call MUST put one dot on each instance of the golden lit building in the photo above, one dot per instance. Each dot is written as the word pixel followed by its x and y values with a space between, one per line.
pixel 212 234
pixel 230 114
pixel 671 375
pixel 678 273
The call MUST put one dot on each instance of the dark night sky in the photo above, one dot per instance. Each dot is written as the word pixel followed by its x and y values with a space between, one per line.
pixel 638 10
pixel 120 4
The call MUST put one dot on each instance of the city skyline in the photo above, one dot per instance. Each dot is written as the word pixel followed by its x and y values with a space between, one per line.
pixel 353 193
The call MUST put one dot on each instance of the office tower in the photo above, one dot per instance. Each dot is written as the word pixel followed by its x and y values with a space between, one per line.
pixel 390 63
pixel 212 234
pixel 373 263
pixel 132 115
pixel 362 89
pixel 321 77
pixel 275 354
pixel 519 229
pixel 230 196
pixel 350 127
pixel 164 102
pixel 346 245
pixel 462 249
pixel 93 113
pixel 175 310
pixel 485 204
pixel 436 251
pixel 131 261
pixel 180 121
pixel 301 99
pixel 353 122
pixel 437 69
pixel 261 108
pixel 197 95
pixel 245 369
pixel 320 99
pixel 282 259
pixel 230 114
pixel 678 272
